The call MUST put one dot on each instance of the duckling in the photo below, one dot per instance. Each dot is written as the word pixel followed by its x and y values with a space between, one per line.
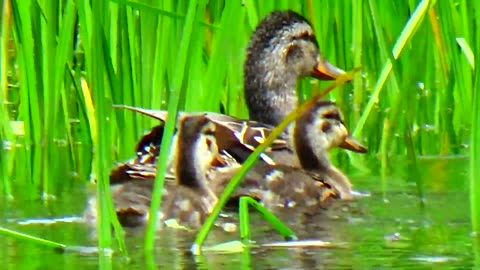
pixel 318 181
pixel 188 200
pixel 315 133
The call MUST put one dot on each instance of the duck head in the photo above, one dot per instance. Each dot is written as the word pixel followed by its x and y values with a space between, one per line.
pixel 282 49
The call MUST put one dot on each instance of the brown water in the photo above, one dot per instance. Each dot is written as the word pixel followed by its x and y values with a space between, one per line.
pixel 389 229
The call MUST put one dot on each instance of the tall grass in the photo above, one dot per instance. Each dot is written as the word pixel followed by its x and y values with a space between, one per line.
pixel 194 8
pixel 475 144
pixel 134 53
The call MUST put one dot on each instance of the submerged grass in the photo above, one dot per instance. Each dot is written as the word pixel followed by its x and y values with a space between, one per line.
pixel 143 54
pixel 33 239
pixel 281 228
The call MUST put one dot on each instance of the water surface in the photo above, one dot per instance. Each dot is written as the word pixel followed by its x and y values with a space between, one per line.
pixel 392 228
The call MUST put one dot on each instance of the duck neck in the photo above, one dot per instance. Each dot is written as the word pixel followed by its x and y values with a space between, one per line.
pixel 189 169
pixel 312 156
pixel 270 91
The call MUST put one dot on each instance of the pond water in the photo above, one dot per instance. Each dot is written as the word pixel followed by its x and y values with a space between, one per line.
pixel 391 228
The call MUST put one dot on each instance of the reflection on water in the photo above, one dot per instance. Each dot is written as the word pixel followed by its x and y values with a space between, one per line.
pixel 388 229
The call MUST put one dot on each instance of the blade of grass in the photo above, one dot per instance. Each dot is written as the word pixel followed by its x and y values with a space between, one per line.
pixel 474 168
pixel 98 67
pixel 275 222
pixel 475 152
pixel 475 156
pixel 6 132
pixel 244 220
pixel 29 107
pixel 193 7
pixel 407 33
pixel 37 240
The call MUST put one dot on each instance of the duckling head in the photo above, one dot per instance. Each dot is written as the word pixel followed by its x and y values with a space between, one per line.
pixel 318 130
pixel 282 49
pixel 196 149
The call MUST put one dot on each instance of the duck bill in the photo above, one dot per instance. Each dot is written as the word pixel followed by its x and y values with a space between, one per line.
pixel 326 71
pixel 352 144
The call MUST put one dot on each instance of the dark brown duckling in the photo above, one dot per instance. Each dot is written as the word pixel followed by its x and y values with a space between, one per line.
pixel 189 199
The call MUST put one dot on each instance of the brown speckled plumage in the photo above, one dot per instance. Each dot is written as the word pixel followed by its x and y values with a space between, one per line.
pixel 282 49
pixel 188 200
pixel 318 181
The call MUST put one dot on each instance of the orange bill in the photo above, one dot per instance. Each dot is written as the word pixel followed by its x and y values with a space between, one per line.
pixel 352 144
pixel 326 71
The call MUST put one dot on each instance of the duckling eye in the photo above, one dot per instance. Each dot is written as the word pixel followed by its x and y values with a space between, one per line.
pixel 209 131
pixel 326 127
pixel 209 143
pixel 333 115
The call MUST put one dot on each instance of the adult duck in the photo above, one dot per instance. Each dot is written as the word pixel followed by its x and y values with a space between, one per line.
pixel 282 50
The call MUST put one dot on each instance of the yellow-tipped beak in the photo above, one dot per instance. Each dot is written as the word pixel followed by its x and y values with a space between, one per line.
pixel 326 71
pixel 352 144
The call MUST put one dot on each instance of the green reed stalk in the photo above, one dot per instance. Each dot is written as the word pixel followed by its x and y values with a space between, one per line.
pixel 57 51
pixel 224 41
pixel 100 142
pixel 6 132
pixel 248 164
pixel 194 7
pixel 474 164
pixel 102 79
pixel 6 20
pixel 278 225
pixel 475 153
pixel 357 51
pixel 407 33
pixel 244 220
pixel 37 240
pixel 29 107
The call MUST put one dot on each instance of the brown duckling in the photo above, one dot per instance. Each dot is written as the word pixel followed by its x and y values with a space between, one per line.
pixel 318 130
pixel 189 199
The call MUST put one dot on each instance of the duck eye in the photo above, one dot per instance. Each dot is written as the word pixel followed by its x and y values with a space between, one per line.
pixel 308 37
pixel 293 52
